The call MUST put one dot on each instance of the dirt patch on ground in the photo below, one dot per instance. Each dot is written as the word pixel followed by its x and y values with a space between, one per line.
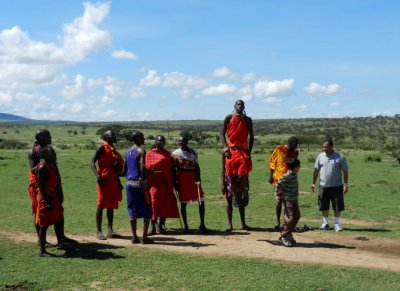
pixel 315 246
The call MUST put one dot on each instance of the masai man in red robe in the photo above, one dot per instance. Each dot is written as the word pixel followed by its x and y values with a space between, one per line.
pixel 42 139
pixel 160 183
pixel 109 187
pixel 237 138
pixel 48 207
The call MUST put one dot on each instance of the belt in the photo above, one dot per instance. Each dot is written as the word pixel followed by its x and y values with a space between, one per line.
pixel 134 182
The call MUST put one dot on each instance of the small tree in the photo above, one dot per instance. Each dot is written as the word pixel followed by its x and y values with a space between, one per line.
pixel 391 145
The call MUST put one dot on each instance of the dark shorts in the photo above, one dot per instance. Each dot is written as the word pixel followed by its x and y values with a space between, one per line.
pixel 136 203
pixel 333 195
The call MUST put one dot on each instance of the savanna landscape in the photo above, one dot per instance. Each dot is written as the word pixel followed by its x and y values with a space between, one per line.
pixel 364 256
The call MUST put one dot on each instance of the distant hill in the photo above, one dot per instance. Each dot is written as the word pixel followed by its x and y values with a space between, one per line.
pixel 12 117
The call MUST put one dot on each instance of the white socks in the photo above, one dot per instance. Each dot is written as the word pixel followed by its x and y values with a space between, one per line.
pixel 336 220
pixel 325 220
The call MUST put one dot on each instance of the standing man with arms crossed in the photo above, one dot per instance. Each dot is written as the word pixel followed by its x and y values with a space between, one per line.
pixel 237 138
pixel 187 181
pixel 331 166
pixel 278 166
pixel 109 187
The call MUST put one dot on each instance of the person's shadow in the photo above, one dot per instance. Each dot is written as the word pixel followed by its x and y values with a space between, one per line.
pixel 92 251
pixel 367 229
pixel 311 245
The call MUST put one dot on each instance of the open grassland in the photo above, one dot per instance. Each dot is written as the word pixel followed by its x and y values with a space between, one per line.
pixel 372 210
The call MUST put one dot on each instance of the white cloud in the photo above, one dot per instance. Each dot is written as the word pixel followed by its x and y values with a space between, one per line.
pixel 151 80
pixel 75 88
pixel 224 72
pixel 219 90
pixel 249 77
pixel 272 100
pixel 245 93
pixel 137 93
pixel 106 100
pixel 113 87
pixel 83 36
pixel 317 89
pixel 5 99
pixel 143 115
pixel 28 63
pixel 176 79
pixel 110 113
pixel 24 96
pixel 334 104
pixel 76 107
pixel 121 54
pixel 300 108
pixel 274 88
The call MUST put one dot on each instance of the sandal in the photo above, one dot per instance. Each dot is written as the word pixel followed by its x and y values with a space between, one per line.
pixel 101 236
pixel 135 240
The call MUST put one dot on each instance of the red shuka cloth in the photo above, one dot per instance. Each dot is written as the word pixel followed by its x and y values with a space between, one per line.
pixel 239 162
pixel 33 190
pixel 110 166
pixel 163 200
pixel 188 190
pixel 44 216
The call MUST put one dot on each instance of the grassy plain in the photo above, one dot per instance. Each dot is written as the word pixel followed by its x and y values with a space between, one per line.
pixel 373 197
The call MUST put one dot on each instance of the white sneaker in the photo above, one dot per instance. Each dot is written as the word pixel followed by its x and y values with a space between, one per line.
pixel 337 227
pixel 324 226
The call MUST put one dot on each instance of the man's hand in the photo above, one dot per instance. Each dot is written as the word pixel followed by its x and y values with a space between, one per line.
pixel 48 204
pixel 270 180
pixel 313 188
pixel 227 153
pixel 100 181
pixel 277 198
pixel 345 188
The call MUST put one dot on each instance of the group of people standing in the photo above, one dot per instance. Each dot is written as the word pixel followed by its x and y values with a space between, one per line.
pixel 157 179
pixel 152 179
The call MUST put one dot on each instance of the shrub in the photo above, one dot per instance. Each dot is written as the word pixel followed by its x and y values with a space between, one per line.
pixel 373 158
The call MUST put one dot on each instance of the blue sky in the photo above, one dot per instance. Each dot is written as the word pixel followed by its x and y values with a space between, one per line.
pixel 179 60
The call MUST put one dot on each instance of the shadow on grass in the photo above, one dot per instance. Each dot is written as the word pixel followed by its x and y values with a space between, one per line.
pixel 367 229
pixel 172 241
pixel 264 229
pixel 92 251
pixel 311 245
pixel 210 232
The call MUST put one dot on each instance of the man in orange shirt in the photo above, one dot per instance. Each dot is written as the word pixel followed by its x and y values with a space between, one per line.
pixel 278 166
pixel 237 138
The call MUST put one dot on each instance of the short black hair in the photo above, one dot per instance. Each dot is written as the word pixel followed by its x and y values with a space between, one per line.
pixel 293 139
pixel 329 141
pixel 293 163
pixel 136 134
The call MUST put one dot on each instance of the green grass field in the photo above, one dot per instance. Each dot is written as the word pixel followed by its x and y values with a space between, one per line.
pixel 373 197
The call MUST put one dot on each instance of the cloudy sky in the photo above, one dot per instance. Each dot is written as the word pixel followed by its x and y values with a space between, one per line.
pixel 176 59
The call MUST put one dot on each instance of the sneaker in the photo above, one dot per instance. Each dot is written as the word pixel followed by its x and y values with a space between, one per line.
pixel 337 227
pixel 324 226
pixel 291 238
pixel 286 241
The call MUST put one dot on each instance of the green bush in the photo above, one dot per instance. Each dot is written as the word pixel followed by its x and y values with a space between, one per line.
pixel 373 158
